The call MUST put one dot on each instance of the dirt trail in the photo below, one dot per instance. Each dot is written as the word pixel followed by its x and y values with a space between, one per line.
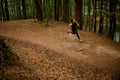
pixel 62 49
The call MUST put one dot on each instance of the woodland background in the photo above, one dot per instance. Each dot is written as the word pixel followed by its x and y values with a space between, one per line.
pixel 99 16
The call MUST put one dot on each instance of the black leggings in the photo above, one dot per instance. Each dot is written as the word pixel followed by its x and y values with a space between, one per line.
pixel 75 32
pixel 78 35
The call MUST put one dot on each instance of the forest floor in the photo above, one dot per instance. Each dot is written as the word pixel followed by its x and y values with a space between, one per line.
pixel 50 53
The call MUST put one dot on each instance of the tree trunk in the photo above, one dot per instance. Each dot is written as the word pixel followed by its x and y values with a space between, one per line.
pixel 24 9
pixel 65 10
pixel 91 17
pixel 39 12
pixel 61 9
pixel 6 10
pixel 88 16
pixel 56 9
pixel 101 18
pixel 78 12
pixel 48 13
pixel 68 11
pixel 2 11
pixel 112 29
pixel 106 19
pixel 44 8
pixel 18 9
pixel 114 19
pixel 95 13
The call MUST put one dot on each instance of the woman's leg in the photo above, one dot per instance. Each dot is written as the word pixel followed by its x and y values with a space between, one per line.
pixel 78 35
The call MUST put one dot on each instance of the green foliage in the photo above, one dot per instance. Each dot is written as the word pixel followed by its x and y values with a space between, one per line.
pixel 88 12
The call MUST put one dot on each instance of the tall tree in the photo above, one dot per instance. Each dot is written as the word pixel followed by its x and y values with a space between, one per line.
pixel 2 11
pixel 56 9
pixel 6 10
pixel 87 25
pixel 24 9
pixel 106 17
pixel 39 12
pixel 95 14
pixel 18 9
pixel 101 18
pixel 78 12
pixel 112 8
pixel 44 8
pixel 61 9
pixel 91 17
pixel 65 10
pixel 48 12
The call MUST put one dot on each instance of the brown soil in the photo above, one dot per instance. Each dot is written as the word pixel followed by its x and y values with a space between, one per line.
pixel 50 53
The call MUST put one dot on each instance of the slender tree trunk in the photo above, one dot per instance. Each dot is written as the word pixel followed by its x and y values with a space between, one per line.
pixel 39 12
pixel 65 10
pixel 84 15
pixel 61 9
pixel 18 9
pixel 114 20
pixel 112 29
pixel 2 11
pixel 91 18
pixel 71 8
pixel 101 18
pixel 106 20
pixel 6 10
pixel 56 9
pixel 78 12
pixel 48 13
pixel 110 34
pixel 88 16
pixel 44 8
pixel 68 11
pixel 24 9
pixel 95 14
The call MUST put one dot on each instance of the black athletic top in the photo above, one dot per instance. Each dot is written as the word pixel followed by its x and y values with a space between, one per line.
pixel 74 28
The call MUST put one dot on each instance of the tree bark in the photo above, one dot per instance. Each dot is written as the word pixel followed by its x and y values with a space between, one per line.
pixel 61 9
pixel 56 9
pixel 39 12
pixel 44 8
pixel 65 10
pixel 106 20
pixel 112 28
pixel 101 18
pixel 7 11
pixel 48 13
pixel 2 11
pixel 95 13
pixel 24 9
pixel 78 12
pixel 88 16
pixel 18 9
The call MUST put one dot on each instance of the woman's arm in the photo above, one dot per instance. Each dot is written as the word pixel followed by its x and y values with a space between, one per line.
pixel 77 24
